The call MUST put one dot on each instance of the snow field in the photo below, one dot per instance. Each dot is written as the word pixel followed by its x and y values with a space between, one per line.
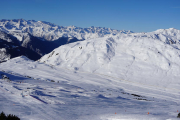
pixel 113 75
pixel 73 95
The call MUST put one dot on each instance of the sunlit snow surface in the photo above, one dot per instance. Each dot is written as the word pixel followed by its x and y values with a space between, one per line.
pixel 133 58
pixel 116 77
pixel 32 94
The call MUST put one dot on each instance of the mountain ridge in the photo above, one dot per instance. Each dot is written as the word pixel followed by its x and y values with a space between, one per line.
pixel 50 31
pixel 43 37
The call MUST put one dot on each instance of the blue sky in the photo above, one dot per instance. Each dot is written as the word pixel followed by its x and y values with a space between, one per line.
pixel 135 15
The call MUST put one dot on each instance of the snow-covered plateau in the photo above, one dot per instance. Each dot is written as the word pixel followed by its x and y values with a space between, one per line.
pixel 104 75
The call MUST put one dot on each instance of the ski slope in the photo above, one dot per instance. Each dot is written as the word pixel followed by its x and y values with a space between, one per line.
pixel 39 91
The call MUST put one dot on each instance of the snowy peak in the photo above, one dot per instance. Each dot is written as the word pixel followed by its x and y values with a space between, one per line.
pixel 49 31
pixel 32 34
pixel 170 30
pixel 168 36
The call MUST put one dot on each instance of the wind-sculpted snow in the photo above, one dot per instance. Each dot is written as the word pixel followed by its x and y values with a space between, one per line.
pixel 128 57
pixel 49 31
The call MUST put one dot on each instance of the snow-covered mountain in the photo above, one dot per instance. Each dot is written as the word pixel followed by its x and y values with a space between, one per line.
pixel 115 75
pixel 43 47
pixel 133 57
pixel 51 32
pixel 10 50
pixel 169 36
pixel 9 38
pixel 10 47
pixel 43 37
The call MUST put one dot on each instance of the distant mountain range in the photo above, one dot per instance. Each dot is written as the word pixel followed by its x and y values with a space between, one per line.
pixel 51 32
pixel 40 38
pixel 43 37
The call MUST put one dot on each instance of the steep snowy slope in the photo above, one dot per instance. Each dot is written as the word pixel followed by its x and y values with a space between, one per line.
pixel 134 58
pixel 10 50
pixel 9 38
pixel 49 31
pixel 43 47
pixel 32 44
pixel 11 47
